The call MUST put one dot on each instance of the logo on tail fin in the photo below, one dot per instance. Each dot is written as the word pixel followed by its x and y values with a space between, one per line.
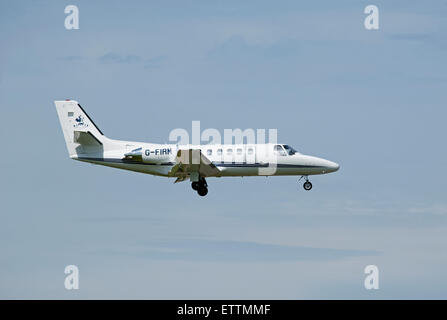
pixel 80 122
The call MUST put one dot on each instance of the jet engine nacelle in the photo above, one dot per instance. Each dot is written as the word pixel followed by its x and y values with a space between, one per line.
pixel 157 154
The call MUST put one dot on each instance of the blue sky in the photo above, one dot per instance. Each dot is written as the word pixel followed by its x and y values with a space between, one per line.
pixel 373 101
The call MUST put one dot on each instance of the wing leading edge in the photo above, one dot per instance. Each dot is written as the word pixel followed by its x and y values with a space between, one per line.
pixel 192 161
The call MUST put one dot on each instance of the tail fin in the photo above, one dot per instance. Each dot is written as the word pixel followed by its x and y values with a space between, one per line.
pixel 81 134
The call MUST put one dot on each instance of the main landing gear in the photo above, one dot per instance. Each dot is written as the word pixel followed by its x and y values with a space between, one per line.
pixel 307 185
pixel 200 186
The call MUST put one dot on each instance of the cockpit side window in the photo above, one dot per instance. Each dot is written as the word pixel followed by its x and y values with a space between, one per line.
pixel 289 150
pixel 279 150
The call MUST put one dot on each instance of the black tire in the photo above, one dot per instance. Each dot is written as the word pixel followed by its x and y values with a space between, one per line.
pixel 202 191
pixel 195 186
pixel 307 185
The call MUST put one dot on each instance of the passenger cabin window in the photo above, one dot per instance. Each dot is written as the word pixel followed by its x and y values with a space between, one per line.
pixel 229 151
pixel 279 150
pixel 239 151
pixel 250 151
pixel 209 152
pixel 219 152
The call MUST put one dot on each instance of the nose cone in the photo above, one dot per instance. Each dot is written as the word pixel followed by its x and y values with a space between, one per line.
pixel 326 165
pixel 332 166
pixel 321 165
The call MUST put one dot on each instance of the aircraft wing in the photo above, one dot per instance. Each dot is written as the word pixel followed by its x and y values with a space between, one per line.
pixel 192 161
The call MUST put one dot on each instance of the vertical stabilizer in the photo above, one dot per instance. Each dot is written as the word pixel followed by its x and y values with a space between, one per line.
pixel 81 134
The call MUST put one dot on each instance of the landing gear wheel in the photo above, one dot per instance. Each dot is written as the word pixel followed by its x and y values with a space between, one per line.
pixel 202 191
pixel 195 185
pixel 307 185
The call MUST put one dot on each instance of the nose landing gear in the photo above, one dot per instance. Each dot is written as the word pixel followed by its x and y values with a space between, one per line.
pixel 200 186
pixel 307 185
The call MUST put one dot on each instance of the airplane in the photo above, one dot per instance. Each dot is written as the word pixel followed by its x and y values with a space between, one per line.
pixel 85 142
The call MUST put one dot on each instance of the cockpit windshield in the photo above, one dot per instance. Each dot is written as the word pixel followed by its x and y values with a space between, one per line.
pixel 289 149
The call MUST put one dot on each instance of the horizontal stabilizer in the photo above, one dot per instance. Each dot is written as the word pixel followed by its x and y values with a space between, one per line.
pixel 86 138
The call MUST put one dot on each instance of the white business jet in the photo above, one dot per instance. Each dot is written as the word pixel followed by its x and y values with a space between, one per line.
pixel 85 142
